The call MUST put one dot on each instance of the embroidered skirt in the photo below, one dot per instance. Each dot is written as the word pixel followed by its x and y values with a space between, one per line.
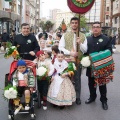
pixel 66 94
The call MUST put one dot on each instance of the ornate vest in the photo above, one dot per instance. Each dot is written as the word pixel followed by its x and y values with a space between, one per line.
pixel 69 37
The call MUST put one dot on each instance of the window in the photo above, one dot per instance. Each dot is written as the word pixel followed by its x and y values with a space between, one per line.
pixel 115 20
pixel 107 8
pixel 107 17
pixel 106 24
pixel 18 9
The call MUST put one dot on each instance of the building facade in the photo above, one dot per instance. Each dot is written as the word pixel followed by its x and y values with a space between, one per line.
pixel 63 15
pixel 116 17
pixel 15 12
pixel 9 15
pixel 94 13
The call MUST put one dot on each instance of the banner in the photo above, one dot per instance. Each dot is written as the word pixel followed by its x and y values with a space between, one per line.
pixel 80 6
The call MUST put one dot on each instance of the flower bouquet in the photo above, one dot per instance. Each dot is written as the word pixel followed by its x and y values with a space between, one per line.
pixel 10 92
pixel 85 61
pixel 70 69
pixel 49 43
pixel 11 51
pixel 42 73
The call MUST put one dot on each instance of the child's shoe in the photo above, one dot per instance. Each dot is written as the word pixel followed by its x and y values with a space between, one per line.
pixel 44 107
pixel 27 107
pixel 41 102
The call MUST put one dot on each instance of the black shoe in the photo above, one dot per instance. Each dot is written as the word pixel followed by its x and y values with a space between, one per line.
pixel 54 106
pixel 90 100
pixel 62 107
pixel 104 105
pixel 78 101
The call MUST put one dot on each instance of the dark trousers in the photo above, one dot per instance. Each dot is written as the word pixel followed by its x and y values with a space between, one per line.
pixel 43 87
pixel 77 79
pixel 92 89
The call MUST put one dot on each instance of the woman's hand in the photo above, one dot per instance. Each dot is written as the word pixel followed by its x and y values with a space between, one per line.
pixel 64 75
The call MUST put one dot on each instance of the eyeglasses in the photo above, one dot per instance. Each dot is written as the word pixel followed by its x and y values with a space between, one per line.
pixel 96 27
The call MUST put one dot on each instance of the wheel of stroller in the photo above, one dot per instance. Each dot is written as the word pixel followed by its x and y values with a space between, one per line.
pixel 33 116
pixel 10 117
pixel 39 100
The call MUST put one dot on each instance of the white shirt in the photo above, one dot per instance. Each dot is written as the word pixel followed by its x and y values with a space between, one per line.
pixel 83 46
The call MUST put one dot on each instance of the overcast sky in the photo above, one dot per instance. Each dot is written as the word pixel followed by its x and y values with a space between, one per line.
pixel 52 4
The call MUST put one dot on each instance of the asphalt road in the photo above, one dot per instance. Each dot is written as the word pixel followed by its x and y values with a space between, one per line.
pixel 92 111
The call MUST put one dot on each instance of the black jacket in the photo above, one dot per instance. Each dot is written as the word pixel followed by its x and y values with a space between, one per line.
pixel 5 37
pixel 25 44
pixel 97 44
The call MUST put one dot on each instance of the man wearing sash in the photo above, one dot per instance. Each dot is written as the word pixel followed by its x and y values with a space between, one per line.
pixel 96 43
pixel 68 46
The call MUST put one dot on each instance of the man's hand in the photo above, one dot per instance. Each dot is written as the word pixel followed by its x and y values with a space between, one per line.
pixel 74 54
pixel 78 40
pixel 32 53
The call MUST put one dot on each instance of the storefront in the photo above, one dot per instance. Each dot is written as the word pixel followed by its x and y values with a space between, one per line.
pixel 9 21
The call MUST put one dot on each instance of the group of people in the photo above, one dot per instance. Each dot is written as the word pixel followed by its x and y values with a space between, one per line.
pixel 61 91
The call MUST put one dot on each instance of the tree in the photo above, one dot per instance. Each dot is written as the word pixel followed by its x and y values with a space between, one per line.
pixel 83 22
pixel 48 25
pixel 42 25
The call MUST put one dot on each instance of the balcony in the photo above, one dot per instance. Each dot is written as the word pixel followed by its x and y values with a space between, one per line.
pixel 9 15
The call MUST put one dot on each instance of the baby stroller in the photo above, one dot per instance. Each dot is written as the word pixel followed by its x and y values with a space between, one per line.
pixel 35 96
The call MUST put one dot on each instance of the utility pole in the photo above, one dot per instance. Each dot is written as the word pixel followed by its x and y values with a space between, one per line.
pixel 11 11
pixel 21 7
pixel 104 15
pixel 111 12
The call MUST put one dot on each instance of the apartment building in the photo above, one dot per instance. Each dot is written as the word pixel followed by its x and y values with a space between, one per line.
pixel 9 15
pixel 116 16
pixel 94 13
pixel 15 12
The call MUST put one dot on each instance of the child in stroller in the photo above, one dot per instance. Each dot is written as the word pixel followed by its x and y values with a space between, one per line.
pixel 20 79
pixel 23 78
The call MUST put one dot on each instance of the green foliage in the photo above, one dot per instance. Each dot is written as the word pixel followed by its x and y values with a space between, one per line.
pixel 8 44
pixel 46 25
pixel 10 86
pixel 83 22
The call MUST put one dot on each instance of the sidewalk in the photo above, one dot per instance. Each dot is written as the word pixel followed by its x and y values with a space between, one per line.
pixel 117 48
pixel 1 52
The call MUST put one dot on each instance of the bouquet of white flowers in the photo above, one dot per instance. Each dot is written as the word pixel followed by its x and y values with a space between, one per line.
pixel 42 72
pixel 85 61
pixel 10 92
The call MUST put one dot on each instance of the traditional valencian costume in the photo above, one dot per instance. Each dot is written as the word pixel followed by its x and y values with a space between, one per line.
pixel 61 91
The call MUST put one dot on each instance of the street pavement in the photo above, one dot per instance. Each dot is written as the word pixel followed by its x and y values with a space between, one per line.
pixel 92 111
